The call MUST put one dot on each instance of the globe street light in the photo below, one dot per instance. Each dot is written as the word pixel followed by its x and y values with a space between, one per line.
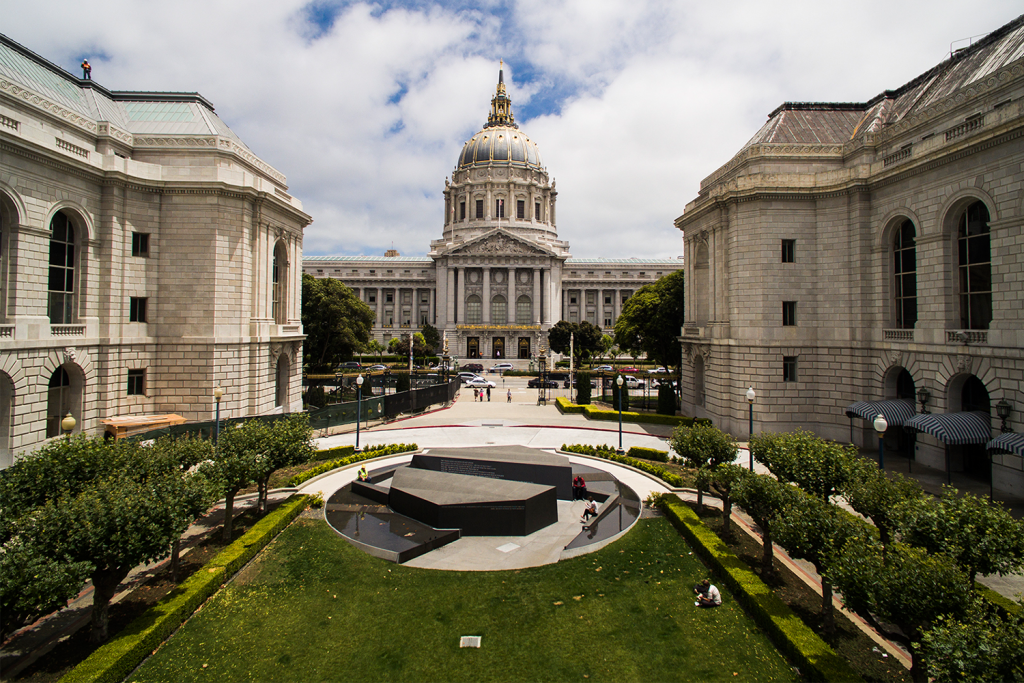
pixel 750 399
pixel 67 424
pixel 218 394
pixel 880 426
pixel 618 381
pixel 359 407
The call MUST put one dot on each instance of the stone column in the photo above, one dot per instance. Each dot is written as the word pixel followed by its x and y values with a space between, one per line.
pixel 487 296
pixel 565 304
pixel 431 313
pixel 511 308
pixel 449 296
pixel 380 305
pixel 536 296
pixel 460 299
pixel 617 302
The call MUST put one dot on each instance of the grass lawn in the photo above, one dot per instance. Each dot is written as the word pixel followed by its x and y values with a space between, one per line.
pixel 313 608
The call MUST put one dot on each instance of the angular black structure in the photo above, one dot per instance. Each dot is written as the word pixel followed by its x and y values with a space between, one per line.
pixel 478 506
pixel 508 464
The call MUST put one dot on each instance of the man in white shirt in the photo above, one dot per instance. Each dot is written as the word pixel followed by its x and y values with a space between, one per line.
pixel 708 595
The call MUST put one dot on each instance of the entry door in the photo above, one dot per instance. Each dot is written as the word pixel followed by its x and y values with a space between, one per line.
pixel 473 347
pixel 524 348
pixel 499 347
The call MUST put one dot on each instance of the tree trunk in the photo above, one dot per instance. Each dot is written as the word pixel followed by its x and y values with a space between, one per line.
pixel 726 515
pixel 261 498
pixel 700 497
pixel 104 584
pixel 828 621
pixel 175 559
pixel 229 510
pixel 767 567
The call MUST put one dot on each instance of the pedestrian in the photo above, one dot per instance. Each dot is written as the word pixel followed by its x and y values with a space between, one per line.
pixel 707 595
pixel 509 396
pixel 488 394
pixel 86 70
pixel 475 394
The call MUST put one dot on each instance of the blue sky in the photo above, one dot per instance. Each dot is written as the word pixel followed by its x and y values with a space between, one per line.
pixel 365 106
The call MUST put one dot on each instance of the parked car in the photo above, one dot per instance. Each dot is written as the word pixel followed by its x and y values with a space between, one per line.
pixel 473 367
pixel 350 365
pixel 537 383
pixel 659 370
pixel 593 384
pixel 466 376
pixel 633 383
pixel 376 368
pixel 501 367
pixel 629 369
pixel 480 383
pixel 604 368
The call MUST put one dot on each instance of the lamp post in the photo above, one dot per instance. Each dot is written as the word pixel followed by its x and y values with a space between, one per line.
pixel 880 426
pixel 218 394
pixel 750 399
pixel 618 382
pixel 922 397
pixel 359 407
pixel 68 424
pixel 1003 410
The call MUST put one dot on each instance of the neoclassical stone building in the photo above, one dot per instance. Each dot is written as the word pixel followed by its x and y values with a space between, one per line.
pixel 499 277
pixel 864 258
pixel 145 258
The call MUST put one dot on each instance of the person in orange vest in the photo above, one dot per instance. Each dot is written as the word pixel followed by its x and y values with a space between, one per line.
pixel 86 70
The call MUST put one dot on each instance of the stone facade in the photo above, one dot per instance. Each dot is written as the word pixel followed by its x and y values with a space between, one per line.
pixel 499 277
pixel 145 259
pixel 855 252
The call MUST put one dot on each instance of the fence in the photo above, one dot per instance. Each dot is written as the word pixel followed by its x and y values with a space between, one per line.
pixel 386 407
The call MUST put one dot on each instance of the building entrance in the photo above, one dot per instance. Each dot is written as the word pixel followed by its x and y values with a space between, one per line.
pixel 524 348
pixel 473 347
pixel 498 345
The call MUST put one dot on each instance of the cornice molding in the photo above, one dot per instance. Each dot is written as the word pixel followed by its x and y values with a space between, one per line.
pixel 63 113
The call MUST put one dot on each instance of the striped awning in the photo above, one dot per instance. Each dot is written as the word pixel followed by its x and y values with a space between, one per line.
pixel 953 429
pixel 1010 442
pixel 896 412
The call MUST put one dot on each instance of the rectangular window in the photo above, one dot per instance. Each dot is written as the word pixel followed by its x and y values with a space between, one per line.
pixel 372 298
pixel 788 313
pixel 608 298
pixel 137 309
pixel 607 322
pixel 389 297
pixel 140 244
pixel 462 211
pixel 137 382
pixel 520 209
pixel 572 299
pixel 789 251
pixel 499 208
pixel 789 368
pixel 536 211
pixel 479 208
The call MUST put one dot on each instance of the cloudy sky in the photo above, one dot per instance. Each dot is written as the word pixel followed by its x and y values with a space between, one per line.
pixel 365 106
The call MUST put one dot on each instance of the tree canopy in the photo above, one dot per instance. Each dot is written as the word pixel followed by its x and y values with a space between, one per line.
pixel 651 321
pixel 335 321
pixel 586 339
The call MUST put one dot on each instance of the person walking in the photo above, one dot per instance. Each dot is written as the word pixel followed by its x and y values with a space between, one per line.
pixel 509 396
pixel 86 70
pixel 476 394
pixel 488 394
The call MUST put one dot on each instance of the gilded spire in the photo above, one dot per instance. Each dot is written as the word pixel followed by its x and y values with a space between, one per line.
pixel 501 105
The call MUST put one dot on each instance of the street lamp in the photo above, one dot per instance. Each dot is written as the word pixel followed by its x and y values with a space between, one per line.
pixel 922 397
pixel 750 399
pixel 359 407
pixel 67 424
pixel 1003 410
pixel 618 382
pixel 880 426
pixel 218 394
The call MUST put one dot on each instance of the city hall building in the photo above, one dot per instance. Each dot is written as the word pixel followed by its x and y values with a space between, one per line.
pixel 146 257
pixel 499 277
pixel 856 259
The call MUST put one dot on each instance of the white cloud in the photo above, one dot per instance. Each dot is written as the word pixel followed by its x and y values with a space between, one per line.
pixel 367 119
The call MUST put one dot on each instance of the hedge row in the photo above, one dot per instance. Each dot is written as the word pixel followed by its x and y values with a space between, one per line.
pixel 593 413
pixel 117 658
pixel 367 454
pixel 648 454
pixel 608 453
pixel 333 453
pixel 816 660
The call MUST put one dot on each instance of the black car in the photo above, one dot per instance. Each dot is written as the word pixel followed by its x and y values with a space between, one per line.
pixel 593 384
pixel 537 382
pixel 472 367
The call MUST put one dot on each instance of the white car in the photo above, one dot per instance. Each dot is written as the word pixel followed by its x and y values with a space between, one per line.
pixel 660 370
pixel 633 383
pixel 603 368
pixel 480 383
pixel 376 368
pixel 501 367
pixel 467 376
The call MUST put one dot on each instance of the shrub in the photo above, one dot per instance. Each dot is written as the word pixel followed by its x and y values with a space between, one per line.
pixel 333 453
pixel 666 399
pixel 647 454
pixel 583 388
pixel 608 453
pixel 564 406
pixel 816 660
pixel 618 393
pixel 370 452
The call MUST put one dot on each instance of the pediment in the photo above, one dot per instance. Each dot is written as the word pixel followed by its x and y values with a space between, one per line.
pixel 500 242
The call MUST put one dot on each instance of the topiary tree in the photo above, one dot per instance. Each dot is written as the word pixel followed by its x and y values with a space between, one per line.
pixel 873 494
pixel 721 480
pixel 764 498
pixel 702 446
pixel 817 466
pixel 287 443
pixel 904 586
pixel 620 393
pixel 666 399
pixel 982 646
pixel 234 464
pixel 583 388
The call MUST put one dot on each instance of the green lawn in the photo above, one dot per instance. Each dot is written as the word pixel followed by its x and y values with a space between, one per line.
pixel 313 608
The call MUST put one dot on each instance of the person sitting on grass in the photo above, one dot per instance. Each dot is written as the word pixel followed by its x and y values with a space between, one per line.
pixel 707 595
pixel 590 510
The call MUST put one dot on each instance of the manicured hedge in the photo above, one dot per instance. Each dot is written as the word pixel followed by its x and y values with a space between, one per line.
pixel 565 406
pixel 370 452
pixel 647 454
pixel 333 453
pixel 117 658
pixel 815 659
pixel 608 453
pixel 593 413
pixel 1003 604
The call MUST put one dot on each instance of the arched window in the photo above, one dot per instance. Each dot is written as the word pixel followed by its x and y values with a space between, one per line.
pixel 499 310
pixel 904 257
pixel 524 310
pixel 474 310
pixel 282 376
pixel 279 288
pixel 974 266
pixel 974 396
pixel 58 401
pixel 905 386
pixel 62 270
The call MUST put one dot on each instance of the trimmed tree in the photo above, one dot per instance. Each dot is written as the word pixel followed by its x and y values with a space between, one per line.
pixel 583 388
pixel 701 446
pixel 287 443
pixel 983 646
pixel 873 494
pixel 817 466
pixel 905 586
pixel 721 480
pixel 764 498
pixel 336 322
pixel 234 464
